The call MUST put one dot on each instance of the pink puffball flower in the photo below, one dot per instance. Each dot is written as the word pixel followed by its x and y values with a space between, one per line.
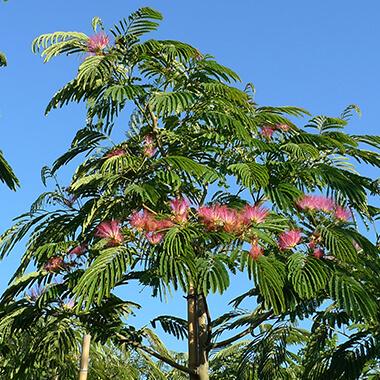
pixel 78 251
pixel 180 209
pixel 325 204
pixel 155 237
pixel 69 305
pixel 289 239
pixel 283 127
pixel 97 43
pixel 357 246
pixel 149 149
pixel 54 264
pixel 319 253
pixel 342 213
pixel 266 132
pixel 255 214
pixel 35 292
pixel 111 232
pixel 308 202
pixel 230 219
pixel 210 217
pixel 256 251
pixel 117 152
pixel 138 221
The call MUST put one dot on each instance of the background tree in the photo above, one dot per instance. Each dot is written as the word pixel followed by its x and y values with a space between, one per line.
pixel 206 184
pixel 7 175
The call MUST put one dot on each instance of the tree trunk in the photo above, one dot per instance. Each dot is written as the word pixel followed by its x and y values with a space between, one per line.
pixel 192 319
pixel 84 359
pixel 203 338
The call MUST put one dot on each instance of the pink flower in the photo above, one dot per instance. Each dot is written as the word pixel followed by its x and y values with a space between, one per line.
pixel 230 219
pixel 149 149
pixel 256 251
pixel 155 237
pixel 69 305
pixel 255 214
pixel 266 132
pixel 221 216
pixel 179 209
pixel 161 225
pixel 97 43
pixel 357 246
pixel 198 55
pixel 80 250
pixel 117 152
pixel 283 127
pixel 325 204
pixel 54 264
pixel 111 231
pixel 308 202
pixel 210 217
pixel 319 253
pixel 289 239
pixel 35 292
pixel 342 213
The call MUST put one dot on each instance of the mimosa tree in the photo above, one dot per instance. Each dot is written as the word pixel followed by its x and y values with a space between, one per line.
pixel 206 184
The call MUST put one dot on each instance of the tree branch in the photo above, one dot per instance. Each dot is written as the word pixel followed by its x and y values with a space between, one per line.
pixel 242 334
pixel 155 354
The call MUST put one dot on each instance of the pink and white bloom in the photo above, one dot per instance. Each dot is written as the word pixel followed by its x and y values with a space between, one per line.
pixel 35 292
pixel 255 214
pixel 319 253
pixel 266 132
pixel 289 239
pixel 210 217
pixel 80 250
pixel 308 202
pixel 97 42
pixel 111 232
pixel 180 209
pixel 155 237
pixel 230 219
pixel 283 127
pixel 54 264
pixel 256 251
pixel 149 149
pixel 325 204
pixel 117 152
pixel 342 213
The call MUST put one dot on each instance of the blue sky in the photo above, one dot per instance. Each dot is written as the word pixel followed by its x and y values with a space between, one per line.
pixel 319 55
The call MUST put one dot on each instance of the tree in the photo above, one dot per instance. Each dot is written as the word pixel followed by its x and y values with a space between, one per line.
pixel 207 183
pixel 7 175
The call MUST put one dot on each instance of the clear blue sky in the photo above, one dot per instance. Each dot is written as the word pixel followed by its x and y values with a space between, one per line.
pixel 319 55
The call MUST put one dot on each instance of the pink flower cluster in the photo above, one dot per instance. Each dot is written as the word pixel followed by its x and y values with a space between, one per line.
pixel 97 43
pixel 231 220
pixel 289 239
pixel 283 127
pixel 111 232
pixel 324 204
pixel 116 152
pixel 149 149
pixel 78 251
pixel 154 229
pixel 180 209
pixel 266 132
pixel 55 264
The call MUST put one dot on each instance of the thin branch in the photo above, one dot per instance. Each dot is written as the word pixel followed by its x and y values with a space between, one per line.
pixel 242 334
pixel 155 354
